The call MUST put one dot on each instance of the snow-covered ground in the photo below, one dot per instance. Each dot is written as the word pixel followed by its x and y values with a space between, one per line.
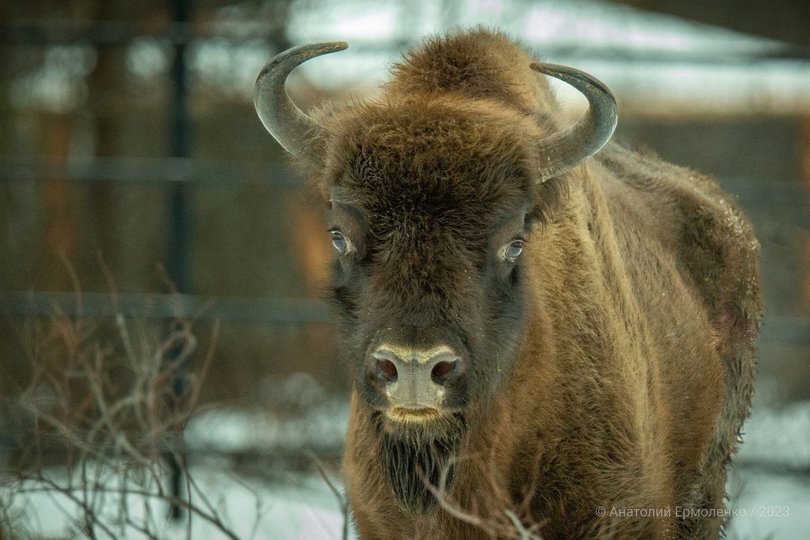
pixel 279 505
pixel 770 486
pixel 245 508
pixel 767 500
pixel 769 505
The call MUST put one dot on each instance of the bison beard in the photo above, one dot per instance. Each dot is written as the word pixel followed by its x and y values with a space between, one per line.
pixel 414 457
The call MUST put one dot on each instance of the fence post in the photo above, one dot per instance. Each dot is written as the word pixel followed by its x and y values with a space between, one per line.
pixel 177 258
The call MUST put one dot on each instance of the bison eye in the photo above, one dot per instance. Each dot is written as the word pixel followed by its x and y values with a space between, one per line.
pixel 512 251
pixel 339 241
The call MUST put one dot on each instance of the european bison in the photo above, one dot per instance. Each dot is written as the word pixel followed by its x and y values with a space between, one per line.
pixel 542 338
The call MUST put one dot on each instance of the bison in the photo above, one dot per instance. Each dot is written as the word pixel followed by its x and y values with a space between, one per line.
pixel 548 333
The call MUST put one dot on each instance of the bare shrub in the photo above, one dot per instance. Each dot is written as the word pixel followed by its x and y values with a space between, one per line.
pixel 98 428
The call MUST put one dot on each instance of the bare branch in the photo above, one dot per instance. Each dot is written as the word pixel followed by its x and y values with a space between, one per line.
pixel 343 502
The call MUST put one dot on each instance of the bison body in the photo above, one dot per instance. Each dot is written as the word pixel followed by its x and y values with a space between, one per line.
pixel 565 352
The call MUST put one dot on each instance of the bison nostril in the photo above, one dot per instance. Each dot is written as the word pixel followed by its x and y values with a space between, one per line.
pixel 442 371
pixel 387 370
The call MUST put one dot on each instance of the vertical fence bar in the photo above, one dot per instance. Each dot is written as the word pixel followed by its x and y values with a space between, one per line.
pixel 180 147
pixel 177 257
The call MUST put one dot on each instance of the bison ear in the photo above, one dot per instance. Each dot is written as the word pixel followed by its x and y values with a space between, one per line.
pixel 565 150
pixel 296 132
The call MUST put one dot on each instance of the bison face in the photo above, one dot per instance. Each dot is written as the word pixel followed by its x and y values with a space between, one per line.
pixel 430 209
pixel 433 191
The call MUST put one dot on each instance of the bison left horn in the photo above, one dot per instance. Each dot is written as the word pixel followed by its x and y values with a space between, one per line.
pixel 565 150
pixel 295 131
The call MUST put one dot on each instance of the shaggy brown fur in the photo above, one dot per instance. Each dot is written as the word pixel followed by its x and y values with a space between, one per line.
pixel 611 366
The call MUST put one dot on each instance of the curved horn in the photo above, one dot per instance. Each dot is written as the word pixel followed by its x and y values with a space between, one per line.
pixel 565 150
pixel 293 129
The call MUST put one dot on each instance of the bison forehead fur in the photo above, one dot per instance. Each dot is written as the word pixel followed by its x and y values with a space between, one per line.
pixel 432 158
pixel 525 345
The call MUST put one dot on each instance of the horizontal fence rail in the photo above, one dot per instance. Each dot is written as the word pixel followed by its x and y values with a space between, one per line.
pixel 333 451
pixel 142 170
pixel 165 306
pixel 168 171
pixel 253 310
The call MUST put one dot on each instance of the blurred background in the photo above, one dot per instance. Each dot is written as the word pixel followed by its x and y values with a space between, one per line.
pixel 136 180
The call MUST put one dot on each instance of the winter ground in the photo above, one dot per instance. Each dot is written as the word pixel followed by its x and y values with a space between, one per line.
pixel 770 486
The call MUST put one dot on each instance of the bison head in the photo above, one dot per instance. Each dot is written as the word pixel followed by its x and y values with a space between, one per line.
pixel 432 198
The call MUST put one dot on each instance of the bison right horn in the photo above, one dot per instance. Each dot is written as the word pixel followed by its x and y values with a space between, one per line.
pixel 565 150
pixel 294 130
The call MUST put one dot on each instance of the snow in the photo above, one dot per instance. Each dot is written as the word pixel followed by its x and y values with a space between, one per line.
pixel 224 430
pixel 655 64
pixel 770 484
pixel 767 498
pixel 768 505
pixel 551 23
pixel 780 436
pixel 299 419
pixel 248 509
